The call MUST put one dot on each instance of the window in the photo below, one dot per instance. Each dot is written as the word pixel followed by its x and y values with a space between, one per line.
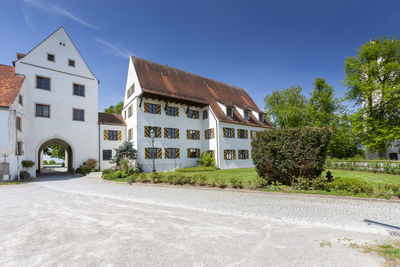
pixel 113 135
pixel 209 133
pixel 243 154
pixel 173 111
pixel 125 114
pixel 130 111
pixel 172 153
pixel 193 134
pixel 172 133
pixel 42 83
pixel 107 154
pixel 147 131
pixel 152 153
pixel 243 134
pixel 229 112
pixel 253 134
pixel 193 152
pixel 18 123
pixel 130 134
pixel 71 63
pixel 193 114
pixel 229 154
pixel 19 149
pixel 79 89
pixel 205 114
pixel 260 117
pixel 78 114
pixel 42 111
pixel 152 108
pixel 131 90
pixel 20 100
pixel 50 57
pixel 246 115
pixel 229 132
pixel 212 153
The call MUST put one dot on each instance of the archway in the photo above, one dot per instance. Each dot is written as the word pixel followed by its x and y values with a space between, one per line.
pixel 68 154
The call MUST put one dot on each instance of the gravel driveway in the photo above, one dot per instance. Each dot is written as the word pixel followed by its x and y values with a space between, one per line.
pixel 89 222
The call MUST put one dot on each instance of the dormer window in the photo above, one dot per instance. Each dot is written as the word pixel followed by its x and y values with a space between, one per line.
pixel 71 63
pixel 246 115
pixel 229 112
pixel 260 117
pixel 50 57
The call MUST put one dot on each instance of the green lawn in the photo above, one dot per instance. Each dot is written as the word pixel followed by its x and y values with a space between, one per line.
pixel 375 178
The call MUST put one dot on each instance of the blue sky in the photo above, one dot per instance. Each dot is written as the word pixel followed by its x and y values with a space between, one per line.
pixel 256 45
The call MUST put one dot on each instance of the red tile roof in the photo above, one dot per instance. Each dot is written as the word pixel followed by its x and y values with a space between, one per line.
pixel 10 84
pixel 166 81
pixel 111 119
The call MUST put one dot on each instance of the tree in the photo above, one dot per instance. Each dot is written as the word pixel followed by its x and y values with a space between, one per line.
pixel 125 150
pixel 373 81
pixel 54 151
pixel 117 109
pixel 286 108
pixel 322 106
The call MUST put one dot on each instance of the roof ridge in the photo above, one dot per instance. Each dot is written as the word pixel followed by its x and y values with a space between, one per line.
pixel 6 65
pixel 193 74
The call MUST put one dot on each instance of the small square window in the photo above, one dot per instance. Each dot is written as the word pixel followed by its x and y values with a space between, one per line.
pixel 107 154
pixel 18 123
pixel 71 63
pixel 229 112
pixel 205 114
pixel 20 99
pixel 42 111
pixel 78 115
pixel 43 83
pixel 50 57
pixel 79 89
pixel 246 115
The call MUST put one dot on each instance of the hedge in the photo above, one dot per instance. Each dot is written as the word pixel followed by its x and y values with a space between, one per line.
pixel 281 155
pixel 381 166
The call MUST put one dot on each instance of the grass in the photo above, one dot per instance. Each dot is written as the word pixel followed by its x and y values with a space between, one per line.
pixel 390 250
pixel 375 178
pixel 10 183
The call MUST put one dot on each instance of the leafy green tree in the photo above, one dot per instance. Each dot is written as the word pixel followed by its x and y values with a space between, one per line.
pixel 322 106
pixel 54 151
pixel 125 150
pixel 117 109
pixel 373 81
pixel 286 108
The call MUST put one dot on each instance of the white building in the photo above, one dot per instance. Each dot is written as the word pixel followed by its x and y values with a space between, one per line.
pixel 50 96
pixel 190 115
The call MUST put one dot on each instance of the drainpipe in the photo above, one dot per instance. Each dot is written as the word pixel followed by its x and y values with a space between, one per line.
pixel 99 147
pixel 217 139
pixel 16 141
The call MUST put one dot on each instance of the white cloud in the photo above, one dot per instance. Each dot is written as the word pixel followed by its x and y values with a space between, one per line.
pixel 54 9
pixel 28 21
pixel 114 50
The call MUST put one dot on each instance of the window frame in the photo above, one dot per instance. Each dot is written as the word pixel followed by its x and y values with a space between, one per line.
pixel 172 136
pixel 229 154
pixel 79 89
pixel 19 151
pixel 114 132
pixel 108 150
pixel 130 111
pixel 242 133
pixel 73 113
pixel 173 113
pixel 43 77
pixel 229 112
pixel 130 134
pixel 151 106
pixel 18 123
pixel 240 151
pixel 43 105
pixel 21 100
pixel 194 150
pixel 246 115
pixel 73 62
pixel 205 112
pixel 51 55
pixel 153 151
pixel 174 153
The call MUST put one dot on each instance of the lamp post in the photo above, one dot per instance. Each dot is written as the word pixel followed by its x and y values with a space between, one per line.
pixel 152 135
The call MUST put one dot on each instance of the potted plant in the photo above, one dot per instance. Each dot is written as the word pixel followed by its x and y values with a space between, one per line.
pixel 26 164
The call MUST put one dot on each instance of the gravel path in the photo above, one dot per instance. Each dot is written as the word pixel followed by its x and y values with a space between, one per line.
pixel 90 222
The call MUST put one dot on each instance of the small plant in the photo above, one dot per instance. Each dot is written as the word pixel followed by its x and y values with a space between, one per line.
pixel 200 179
pixel 156 177
pixel 206 160
pixel 220 182
pixel 129 180
pixel 45 162
pixel 91 163
pixel 143 178
pixel 236 183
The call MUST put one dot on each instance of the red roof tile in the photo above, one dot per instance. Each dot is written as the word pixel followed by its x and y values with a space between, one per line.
pixel 163 80
pixel 10 84
pixel 111 119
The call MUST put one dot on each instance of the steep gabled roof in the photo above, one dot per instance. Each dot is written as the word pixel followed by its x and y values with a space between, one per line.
pixel 163 80
pixel 111 119
pixel 10 85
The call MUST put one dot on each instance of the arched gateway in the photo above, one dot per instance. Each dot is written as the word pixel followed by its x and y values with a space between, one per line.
pixel 56 141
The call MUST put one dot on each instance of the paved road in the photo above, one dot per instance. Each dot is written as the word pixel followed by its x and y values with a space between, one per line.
pixel 90 222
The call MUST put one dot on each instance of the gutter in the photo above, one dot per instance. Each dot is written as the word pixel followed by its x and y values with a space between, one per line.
pixel 217 139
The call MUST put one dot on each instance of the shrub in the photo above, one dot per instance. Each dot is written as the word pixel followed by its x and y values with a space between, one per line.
pixel 282 155
pixel 197 169
pixel 318 183
pixel 131 179
pixel 220 182
pixel 107 171
pixel 27 164
pixel 45 162
pixel 83 169
pixel 351 185
pixel 206 160
pixel 125 150
pixel 24 175
pixel 236 183
pixel 91 163
pixel 143 178
pixel 200 179
pixel 156 177
pixel 52 162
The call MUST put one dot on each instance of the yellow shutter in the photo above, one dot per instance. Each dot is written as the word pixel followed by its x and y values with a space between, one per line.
pixel 166 153
pixel 225 154
pixel 146 131
pixel 176 112
pixel 158 131
pixel 177 133
pixel 233 133
pixel 188 134
pixel 119 135
pixel 177 153
pixel 224 132
pixel 165 132
pixel 146 107
pixel 197 114
pixel 159 153
pixel 158 109
pixel 105 134
pixel 212 133
pixel 147 153
pixel 233 154
pixel 197 135
pixel 188 152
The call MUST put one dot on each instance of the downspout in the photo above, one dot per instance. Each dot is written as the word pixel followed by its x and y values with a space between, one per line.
pixel 99 146
pixel 16 141
pixel 217 139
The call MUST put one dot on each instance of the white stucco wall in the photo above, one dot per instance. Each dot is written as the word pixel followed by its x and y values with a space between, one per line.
pixel 110 144
pixel 81 136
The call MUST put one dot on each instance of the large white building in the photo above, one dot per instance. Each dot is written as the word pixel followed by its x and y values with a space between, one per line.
pixel 50 96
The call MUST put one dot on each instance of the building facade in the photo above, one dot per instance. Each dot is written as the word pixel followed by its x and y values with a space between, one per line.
pixel 189 115
pixel 50 97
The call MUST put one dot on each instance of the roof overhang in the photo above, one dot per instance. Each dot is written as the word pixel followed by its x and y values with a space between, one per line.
pixel 174 99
